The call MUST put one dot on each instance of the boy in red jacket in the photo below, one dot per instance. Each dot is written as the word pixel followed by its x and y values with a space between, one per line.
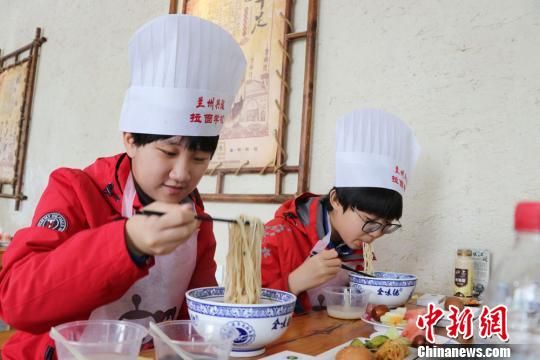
pixel 87 253
pixel 311 236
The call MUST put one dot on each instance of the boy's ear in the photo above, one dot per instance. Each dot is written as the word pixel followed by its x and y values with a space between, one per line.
pixel 334 200
pixel 129 144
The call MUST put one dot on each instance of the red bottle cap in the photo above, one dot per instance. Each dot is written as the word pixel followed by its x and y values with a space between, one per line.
pixel 527 217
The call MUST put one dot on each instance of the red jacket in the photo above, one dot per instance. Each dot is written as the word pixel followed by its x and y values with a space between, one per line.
pixel 288 242
pixel 55 276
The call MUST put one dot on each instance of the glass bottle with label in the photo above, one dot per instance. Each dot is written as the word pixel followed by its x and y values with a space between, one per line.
pixel 463 273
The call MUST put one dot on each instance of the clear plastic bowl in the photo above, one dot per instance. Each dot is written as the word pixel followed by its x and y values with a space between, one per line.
pixel 203 341
pixel 101 339
pixel 344 302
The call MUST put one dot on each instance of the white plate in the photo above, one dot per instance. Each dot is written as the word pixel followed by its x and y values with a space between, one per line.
pixel 413 352
pixel 445 321
pixel 289 355
pixel 379 326
pixel 439 339
pixel 331 354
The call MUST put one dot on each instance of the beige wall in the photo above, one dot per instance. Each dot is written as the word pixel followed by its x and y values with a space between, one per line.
pixel 464 74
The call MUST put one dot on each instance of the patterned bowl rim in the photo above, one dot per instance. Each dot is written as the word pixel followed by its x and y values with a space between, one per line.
pixel 219 303
pixel 409 277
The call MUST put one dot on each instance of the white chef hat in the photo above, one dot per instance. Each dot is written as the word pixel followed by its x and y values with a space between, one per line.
pixel 374 149
pixel 185 72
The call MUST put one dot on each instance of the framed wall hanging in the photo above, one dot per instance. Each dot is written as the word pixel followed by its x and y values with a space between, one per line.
pixel 253 140
pixel 17 78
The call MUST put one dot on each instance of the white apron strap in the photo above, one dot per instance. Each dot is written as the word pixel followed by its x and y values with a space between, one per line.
pixel 159 295
pixel 316 296
pixel 129 197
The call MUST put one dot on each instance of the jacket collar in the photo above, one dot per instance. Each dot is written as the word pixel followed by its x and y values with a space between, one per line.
pixel 289 212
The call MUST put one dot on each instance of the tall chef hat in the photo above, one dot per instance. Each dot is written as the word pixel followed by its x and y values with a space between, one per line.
pixel 374 149
pixel 185 72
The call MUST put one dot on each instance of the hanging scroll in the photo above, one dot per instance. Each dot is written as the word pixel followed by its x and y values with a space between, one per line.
pixel 253 137
pixel 17 75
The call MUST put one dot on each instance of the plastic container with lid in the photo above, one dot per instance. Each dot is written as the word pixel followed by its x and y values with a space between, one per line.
pixel 516 284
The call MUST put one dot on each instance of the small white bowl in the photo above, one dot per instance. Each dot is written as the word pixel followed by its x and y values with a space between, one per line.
pixel 257 324
pixel 386 288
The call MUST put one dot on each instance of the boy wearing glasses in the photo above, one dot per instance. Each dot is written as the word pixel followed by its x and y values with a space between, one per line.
pixel 311 236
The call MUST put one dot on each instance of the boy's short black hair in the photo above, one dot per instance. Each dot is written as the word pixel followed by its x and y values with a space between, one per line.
pixel 384 203
pixel 193 143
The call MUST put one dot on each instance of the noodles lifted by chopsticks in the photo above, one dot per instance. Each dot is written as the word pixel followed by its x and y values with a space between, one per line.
pixel 367 250
pixel 243 270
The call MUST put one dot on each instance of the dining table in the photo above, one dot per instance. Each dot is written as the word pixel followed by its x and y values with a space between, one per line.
pixel 312 333
pixel 315 332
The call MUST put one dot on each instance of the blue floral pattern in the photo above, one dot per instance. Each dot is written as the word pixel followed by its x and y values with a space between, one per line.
pixel 208 301
pixel 384 279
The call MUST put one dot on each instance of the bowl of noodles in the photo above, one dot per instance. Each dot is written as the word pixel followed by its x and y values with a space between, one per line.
pixel 259 315
pixel 257 324
pixel 387 288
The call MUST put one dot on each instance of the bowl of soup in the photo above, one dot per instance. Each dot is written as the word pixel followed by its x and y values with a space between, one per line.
pixel 257 324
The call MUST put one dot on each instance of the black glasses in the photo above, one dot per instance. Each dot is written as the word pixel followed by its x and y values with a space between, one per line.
pixel 373 226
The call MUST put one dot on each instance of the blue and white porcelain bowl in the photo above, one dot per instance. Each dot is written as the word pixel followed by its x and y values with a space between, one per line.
pixel 257 324
pixel 388 288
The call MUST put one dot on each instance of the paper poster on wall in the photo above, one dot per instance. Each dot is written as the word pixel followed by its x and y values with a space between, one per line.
pixel 12 92
pixel 248 136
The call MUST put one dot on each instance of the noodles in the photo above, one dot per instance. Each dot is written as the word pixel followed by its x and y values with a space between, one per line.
pixel 243 269
pixel 392 350
pixel 368 258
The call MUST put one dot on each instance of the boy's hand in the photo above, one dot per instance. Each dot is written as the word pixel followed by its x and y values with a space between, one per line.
pixel 160 235
pixel 315 271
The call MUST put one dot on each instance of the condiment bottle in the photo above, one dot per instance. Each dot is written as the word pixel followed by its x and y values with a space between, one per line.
pixel 463 273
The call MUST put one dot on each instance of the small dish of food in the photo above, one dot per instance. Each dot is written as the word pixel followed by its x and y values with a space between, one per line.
pixel 377 346
pixel 460 304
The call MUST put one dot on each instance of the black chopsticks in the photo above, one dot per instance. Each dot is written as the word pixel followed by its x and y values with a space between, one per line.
pixel 198 217
pixel 348 268
pixel 343 266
